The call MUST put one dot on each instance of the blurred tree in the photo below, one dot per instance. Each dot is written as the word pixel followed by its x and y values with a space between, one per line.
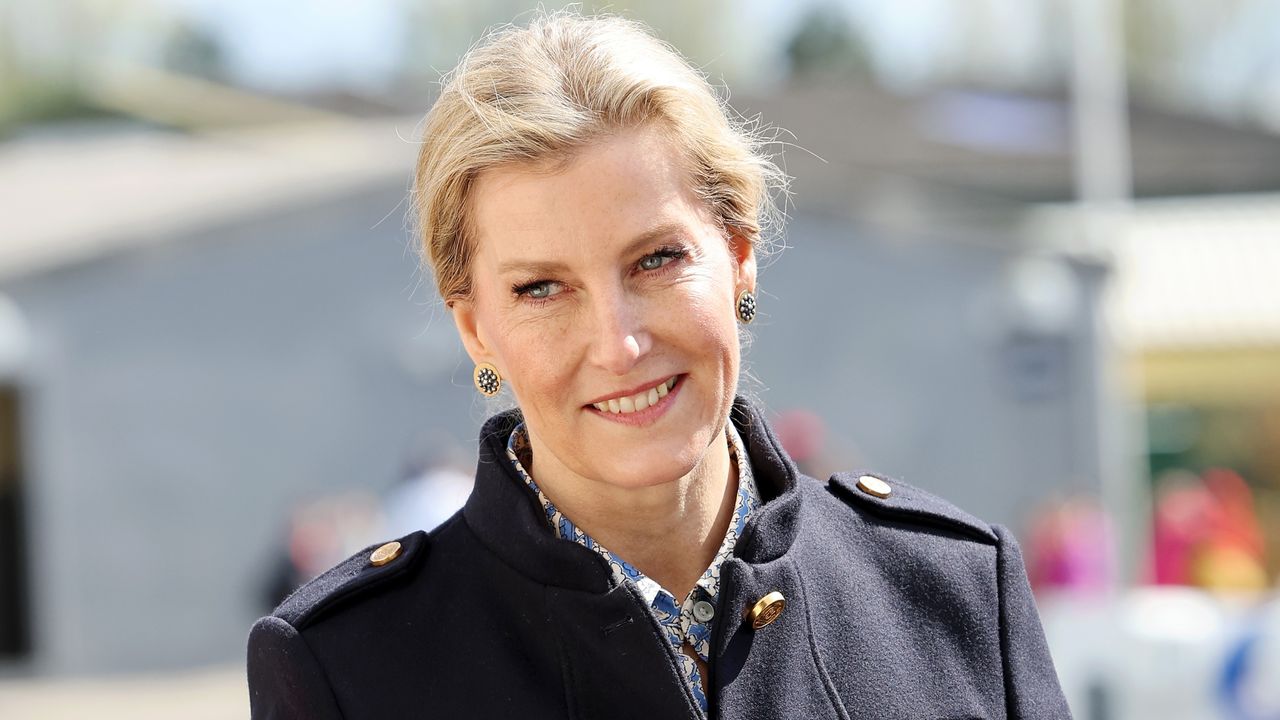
pixel 191 49
pixel 1216 59
pixel 36 80
pixel 826 43
pixel 49 50
pixel 8 67
pixel 439 31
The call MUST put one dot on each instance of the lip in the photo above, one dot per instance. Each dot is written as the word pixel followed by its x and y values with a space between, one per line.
pixel 647 416
pixel 633 391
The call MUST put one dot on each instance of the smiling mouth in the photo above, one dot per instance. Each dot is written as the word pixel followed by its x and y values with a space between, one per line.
pixel 639 401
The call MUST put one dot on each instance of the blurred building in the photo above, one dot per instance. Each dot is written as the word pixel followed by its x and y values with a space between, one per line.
pixel 1200 302
pixel 955 311
pixel 203 329
pixel 198 332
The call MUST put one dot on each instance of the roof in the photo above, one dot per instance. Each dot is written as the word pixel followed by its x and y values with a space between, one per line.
pixel 999 145
pixel 1200 273
pixel 70 198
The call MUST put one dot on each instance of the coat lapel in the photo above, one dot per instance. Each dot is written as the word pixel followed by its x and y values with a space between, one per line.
pixel 616 661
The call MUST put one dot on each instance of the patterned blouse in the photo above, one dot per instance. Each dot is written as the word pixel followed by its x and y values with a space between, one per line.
pixel 686 622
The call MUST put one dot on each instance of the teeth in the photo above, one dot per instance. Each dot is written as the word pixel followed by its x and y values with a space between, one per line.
pixel 639 401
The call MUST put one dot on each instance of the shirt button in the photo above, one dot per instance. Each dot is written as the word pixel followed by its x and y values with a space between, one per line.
pixel 703 611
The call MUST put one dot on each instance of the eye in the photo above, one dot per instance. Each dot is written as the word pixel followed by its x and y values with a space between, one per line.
pixel 659 259
pixel 539 290
pixel 653 262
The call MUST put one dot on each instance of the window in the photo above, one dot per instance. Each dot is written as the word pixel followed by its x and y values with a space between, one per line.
pixel 15 638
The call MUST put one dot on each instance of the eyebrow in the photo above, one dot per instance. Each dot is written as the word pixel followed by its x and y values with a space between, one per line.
pixel 540 267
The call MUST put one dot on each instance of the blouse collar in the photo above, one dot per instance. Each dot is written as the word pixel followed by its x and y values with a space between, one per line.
pixel 510 521
pixel 747 500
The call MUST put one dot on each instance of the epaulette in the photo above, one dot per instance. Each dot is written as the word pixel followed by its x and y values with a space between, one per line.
pixel 894 499
pixel 376 566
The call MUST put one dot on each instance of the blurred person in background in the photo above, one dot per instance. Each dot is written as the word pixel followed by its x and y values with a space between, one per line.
pixel 427 494
pixel 1067 547
pixel 1206 532
pixel 323 531
pixel 319 533
pixel 802 434
pixel 638 543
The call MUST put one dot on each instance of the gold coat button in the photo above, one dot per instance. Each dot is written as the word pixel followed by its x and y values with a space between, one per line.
pixel 767 609
pixel 385 554
pixel 872 485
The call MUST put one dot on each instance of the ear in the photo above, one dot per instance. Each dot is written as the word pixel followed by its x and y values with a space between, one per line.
pixel 464 318
pixel 743 252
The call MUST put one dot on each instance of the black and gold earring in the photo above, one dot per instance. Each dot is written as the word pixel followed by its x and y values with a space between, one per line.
pixel 746 307
pixel 487 379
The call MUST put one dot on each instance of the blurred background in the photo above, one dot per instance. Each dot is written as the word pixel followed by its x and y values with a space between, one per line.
pixel 1033 254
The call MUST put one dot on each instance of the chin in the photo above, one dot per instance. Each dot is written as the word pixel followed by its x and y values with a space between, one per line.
pixel 651 464
pixel 651 474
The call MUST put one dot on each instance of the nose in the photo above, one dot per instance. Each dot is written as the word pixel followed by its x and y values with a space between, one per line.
pixel 620 339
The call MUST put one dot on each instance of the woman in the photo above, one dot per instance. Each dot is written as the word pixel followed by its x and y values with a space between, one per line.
pixel 637 545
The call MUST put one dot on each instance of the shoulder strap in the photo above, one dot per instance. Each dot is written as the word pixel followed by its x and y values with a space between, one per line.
pixel 353 577
pixel 889 498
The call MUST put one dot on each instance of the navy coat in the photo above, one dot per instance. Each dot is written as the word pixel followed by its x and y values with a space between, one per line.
pixel 896 607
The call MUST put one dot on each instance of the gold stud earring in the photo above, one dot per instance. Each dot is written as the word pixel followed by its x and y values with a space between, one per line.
pixel 487 379
pixel 746 307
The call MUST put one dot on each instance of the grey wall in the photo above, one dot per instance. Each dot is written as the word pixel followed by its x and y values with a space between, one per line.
pixel 182 396
pixel 906 349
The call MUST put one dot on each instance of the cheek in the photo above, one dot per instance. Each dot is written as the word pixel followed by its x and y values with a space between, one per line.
pixel 694 316
pixel 536 356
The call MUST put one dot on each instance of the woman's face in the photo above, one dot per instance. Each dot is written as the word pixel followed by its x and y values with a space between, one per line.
pixel 599 287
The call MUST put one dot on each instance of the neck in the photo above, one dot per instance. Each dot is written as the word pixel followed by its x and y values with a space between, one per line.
pixel 670 531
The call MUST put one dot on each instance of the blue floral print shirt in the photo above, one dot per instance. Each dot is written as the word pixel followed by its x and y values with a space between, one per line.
pixel 687 622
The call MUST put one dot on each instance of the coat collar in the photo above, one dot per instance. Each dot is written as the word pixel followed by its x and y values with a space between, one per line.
pixel 507 517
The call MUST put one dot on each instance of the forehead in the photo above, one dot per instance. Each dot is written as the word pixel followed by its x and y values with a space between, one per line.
pixel 608 193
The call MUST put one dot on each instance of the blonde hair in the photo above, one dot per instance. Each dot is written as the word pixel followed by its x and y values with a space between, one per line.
pixel 537 94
